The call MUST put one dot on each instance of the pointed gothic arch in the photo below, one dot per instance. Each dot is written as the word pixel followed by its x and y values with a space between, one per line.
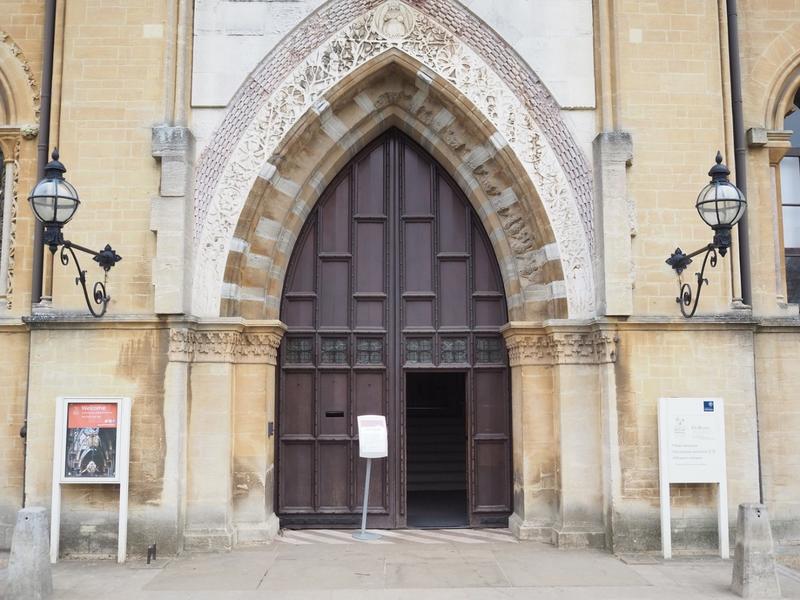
pixel 520 129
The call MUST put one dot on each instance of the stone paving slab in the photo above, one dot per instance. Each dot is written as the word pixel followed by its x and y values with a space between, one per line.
pixel 410 567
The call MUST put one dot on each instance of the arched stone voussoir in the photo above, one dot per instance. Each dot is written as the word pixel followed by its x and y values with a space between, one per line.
pixel 538 217
pixel 398 95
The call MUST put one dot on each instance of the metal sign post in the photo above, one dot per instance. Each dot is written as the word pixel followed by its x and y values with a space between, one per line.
pixel 372 443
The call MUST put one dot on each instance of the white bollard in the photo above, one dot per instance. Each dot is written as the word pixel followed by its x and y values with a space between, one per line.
pixel 29 575
pixel 754 574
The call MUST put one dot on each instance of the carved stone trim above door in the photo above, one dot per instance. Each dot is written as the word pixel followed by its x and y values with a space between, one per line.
pixel 241 342
pixel 529 344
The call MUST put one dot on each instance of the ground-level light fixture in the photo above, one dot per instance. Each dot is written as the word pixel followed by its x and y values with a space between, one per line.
pixel 54 201
pixel 720 204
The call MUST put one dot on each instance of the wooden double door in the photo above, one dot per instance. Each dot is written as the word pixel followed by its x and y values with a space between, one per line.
pixel 392 275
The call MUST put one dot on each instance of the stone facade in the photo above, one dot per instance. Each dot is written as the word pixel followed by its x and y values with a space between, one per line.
pixel 200 136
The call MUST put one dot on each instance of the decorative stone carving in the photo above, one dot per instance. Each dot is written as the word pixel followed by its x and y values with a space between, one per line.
pixel 259 347
pixel 10 144
pixel 190 345
pixel 17 53
pixel 181 345
pixel 399 26
pixel 29 131
pixel 393 20
pixel 540 347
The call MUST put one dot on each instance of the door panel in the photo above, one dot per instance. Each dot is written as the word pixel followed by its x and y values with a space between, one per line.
pixel 452 220
pixel 370 271
pixel 334 293
pixel 334 470
pixel 453 294
pixel 392 273
pixel 298 416
pixel 490 402
pixel 334 231
pixel 418 275
pixel 297 490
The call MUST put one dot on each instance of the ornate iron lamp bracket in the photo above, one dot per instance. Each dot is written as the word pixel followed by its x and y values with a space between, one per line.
pixel 106 258
pixel 678 260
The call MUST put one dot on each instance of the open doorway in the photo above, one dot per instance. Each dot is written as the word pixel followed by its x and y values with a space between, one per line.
pixel 436 450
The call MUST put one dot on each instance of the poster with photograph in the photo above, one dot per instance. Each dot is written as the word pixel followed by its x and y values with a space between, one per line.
pixel 92 439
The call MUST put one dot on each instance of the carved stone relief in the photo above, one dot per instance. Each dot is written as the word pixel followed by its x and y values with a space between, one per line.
pixel 10 145
pixel 190 345
pixel 17 53
pixel 554 348
pixel 399 26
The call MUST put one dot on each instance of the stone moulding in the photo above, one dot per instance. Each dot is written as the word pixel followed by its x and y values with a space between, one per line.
pixel 266 110
pixel 530 345
pixel 15 51
pixel 244 344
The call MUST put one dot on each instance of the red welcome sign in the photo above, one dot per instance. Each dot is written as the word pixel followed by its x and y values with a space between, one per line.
pixel 91 414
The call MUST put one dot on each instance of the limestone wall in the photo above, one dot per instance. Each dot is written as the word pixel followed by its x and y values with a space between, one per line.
pixel 669 97
pixel 691 359
pixel 95 359
pixel 777 382
pixel 111 94
pixel 13 388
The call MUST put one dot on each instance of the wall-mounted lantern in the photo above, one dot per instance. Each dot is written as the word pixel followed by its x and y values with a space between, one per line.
pixel 720 204
pixel 54 202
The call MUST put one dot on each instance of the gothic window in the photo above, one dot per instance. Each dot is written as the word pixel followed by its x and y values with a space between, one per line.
pixel 790 199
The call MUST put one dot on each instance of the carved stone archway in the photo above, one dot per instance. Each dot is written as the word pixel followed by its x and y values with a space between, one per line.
pixel 392 91
pixel 518 112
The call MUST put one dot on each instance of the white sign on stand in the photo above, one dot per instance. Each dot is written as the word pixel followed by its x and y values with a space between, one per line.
pixel 91 445
pixel 691 449
pixel 373 442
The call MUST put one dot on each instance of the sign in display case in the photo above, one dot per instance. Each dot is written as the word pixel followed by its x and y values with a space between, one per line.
pixel 91 446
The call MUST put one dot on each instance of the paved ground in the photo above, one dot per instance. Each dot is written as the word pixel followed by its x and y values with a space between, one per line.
pixel 419 565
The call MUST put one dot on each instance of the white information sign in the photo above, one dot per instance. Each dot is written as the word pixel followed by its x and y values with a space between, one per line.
pixel 372 436
pixel 691 449
pixel 91 446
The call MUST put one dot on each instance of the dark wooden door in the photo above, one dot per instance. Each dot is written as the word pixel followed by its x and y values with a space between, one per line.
pixel 392 273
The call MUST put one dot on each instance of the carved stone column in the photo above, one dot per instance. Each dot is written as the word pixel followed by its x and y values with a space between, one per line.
pixel 561 394
pixel 579 355
pixel 534 442
pixel 254 427
pixel 9 152
pixel 228 446
pixel 209 448
pixel 176 397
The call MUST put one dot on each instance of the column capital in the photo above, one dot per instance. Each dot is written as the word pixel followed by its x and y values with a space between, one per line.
pixel 226 341
pixel 531 344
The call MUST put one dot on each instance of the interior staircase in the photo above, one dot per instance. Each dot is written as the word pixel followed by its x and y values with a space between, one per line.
pixel 436 452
